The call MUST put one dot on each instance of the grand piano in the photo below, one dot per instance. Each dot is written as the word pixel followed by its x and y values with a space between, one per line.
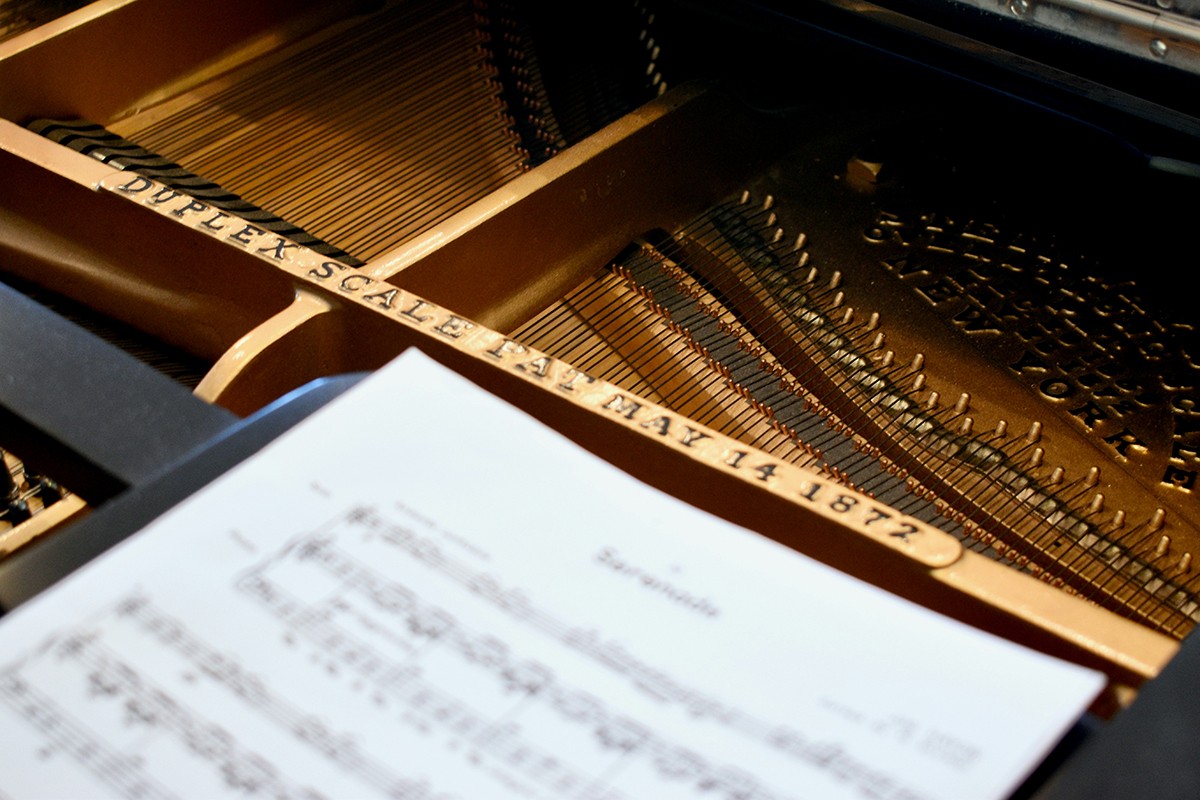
pixel 932 253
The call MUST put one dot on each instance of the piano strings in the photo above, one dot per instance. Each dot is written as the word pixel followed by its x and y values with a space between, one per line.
pixel 724 322
pixel 104 145
pixel 374 131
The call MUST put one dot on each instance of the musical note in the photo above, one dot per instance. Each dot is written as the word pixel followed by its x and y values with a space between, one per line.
pixel 380 638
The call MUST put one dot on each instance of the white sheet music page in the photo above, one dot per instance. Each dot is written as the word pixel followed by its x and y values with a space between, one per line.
pixel 421 593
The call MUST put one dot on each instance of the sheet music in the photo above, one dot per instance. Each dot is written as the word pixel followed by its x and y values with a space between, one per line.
pixel 421 593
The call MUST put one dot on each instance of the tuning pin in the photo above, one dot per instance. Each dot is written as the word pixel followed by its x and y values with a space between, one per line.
pixel 1157 519
pixel 1001 429
pixel 873 321
pixel 919 382
pixel 1035 458
pixel 1056 477
pixel 918 362
pixel 1164 544
pixel 1097 504
pixel 745 196
pixel 1035 432
pixel 16 512
pixel 48 491
pixel 966 426
pixel 932 401
pixel 848 315
pixel 836 280
pixel 1092 478
pixel 801 240
pixel 768 202
pixel 8 488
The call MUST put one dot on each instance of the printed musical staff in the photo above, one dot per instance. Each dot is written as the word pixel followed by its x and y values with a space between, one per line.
pixel 374 636
pixel 416 625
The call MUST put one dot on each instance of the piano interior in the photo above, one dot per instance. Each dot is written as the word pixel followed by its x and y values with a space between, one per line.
pixel 917 281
